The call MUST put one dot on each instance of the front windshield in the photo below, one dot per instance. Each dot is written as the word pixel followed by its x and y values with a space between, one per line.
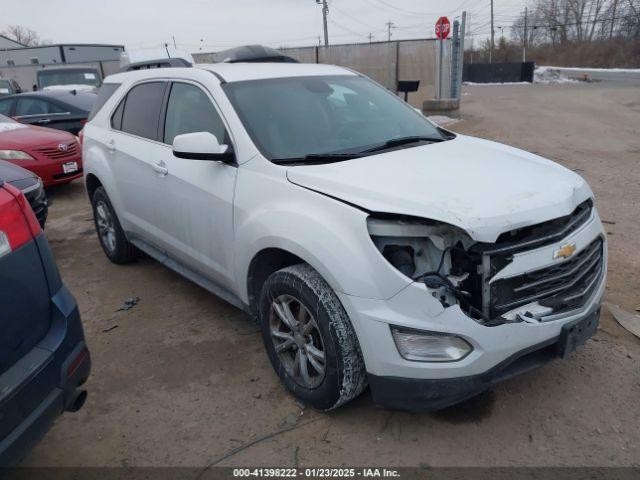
pixel 291 118
pixel 70 77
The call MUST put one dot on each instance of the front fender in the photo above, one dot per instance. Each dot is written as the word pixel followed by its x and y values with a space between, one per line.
pixel 331 236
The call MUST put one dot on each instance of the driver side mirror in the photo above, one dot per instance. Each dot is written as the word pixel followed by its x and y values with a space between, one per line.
pixel 202 146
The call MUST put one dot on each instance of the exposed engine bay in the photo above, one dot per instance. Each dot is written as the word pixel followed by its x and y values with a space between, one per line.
pixel 457 270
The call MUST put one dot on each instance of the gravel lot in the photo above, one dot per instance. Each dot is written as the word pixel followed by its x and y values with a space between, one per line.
pixel 182 378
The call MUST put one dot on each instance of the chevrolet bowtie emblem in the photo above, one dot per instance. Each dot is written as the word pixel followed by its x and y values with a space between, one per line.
pixel 565 251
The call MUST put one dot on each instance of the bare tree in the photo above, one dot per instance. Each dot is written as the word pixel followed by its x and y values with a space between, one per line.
pixel 23 35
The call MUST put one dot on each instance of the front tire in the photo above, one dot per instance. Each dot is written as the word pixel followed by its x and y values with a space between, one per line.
pixel 309 338
pixel 112 239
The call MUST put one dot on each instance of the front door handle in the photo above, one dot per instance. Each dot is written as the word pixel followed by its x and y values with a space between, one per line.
pixel 111 145
pixel 43 121
pixel 160 168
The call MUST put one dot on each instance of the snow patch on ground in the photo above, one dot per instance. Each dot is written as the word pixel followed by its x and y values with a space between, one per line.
pixel 497 83
pixel 548 75
pixel 442 120
pixel 589 69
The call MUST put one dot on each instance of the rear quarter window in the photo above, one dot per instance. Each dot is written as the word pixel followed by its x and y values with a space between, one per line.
pixel 104 94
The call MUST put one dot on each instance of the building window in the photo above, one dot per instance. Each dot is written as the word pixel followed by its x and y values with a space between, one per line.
pixel 11 62
pixel 34 60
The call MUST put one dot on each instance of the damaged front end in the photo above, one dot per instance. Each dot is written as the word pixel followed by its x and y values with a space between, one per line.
pixel 457 270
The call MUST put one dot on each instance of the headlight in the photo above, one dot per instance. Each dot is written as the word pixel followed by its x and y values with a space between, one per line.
pixel 416 246
pixel 15 155
pixel 422 346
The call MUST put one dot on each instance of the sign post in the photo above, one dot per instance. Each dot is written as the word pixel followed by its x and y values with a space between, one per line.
pixel 443 28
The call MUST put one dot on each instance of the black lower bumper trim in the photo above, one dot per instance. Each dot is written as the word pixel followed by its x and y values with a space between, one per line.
pixel 413 394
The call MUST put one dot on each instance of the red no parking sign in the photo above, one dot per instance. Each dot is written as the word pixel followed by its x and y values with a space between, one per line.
pixel 443 28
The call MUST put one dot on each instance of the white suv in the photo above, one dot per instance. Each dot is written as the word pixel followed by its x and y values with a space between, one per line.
pixel 372 246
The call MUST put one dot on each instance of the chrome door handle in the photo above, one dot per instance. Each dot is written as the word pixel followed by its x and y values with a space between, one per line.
pixel 44 121
pixel 111 145
pixel 160 168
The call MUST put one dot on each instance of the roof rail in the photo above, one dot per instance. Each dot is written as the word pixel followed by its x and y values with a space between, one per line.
pixel 253 54
pixel 157 63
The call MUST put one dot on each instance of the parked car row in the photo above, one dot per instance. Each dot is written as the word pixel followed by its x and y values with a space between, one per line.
pixel 43 356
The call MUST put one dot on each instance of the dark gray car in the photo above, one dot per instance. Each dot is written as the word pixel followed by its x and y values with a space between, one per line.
pixel 59 109
pixel 30 185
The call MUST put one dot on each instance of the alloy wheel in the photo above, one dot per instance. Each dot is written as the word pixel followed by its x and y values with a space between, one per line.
pixel 297 341
pixel 106 228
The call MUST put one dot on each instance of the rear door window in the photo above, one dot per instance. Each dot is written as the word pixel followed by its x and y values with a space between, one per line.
pixel 142 110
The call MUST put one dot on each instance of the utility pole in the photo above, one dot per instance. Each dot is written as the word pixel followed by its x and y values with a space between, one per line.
pixel 468 27
pixel 174 42
pixel 492 36
pixel 524 37
pixel 325 12
pixel 613 17
pixel 370 36
pixel 389 27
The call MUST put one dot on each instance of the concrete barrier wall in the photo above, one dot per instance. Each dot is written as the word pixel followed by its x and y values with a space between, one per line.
pixel 384 62
pixel 377 60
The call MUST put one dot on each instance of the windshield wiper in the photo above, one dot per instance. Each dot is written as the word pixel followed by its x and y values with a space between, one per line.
pixel 397 142
pixel 317 158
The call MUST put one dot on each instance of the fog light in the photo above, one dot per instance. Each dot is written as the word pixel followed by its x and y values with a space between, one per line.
pixel 421 346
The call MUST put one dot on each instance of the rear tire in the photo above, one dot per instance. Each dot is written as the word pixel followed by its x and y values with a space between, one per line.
pixel 110 234
pixel 309 338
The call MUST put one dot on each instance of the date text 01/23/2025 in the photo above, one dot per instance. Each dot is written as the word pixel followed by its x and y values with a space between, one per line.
pixel 315 472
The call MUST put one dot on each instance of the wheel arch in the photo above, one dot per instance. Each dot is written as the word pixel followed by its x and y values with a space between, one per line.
pixel 92 183
pixel 264 263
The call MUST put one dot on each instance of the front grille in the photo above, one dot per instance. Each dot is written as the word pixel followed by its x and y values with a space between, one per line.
pixel 55 153
pixel 562 287
pixel 545 233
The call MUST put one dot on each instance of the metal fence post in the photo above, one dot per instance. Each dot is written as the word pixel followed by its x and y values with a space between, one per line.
pixel 455 65
pixel 457 57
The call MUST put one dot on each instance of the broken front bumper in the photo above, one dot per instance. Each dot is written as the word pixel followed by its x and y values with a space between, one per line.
pixel 435 394
pixel 499 351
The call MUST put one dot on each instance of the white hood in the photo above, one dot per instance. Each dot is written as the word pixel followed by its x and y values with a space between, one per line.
pixel 484 187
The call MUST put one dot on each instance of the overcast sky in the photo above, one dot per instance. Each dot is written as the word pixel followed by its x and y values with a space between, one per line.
pixel 210 25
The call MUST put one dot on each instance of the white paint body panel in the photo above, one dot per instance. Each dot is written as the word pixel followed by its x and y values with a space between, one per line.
pixel 213 218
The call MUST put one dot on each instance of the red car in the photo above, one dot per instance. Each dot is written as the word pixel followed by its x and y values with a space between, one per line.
pixel 55 156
